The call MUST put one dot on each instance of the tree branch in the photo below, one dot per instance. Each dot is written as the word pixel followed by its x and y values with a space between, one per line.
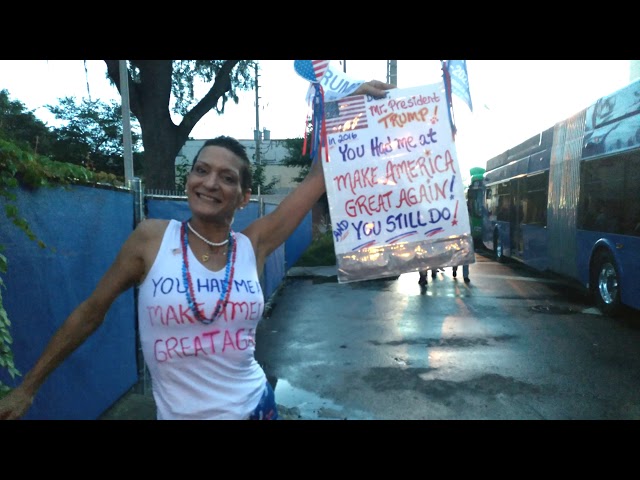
pixel 221 85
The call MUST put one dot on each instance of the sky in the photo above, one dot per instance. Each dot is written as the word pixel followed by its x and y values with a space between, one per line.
pixel 512 99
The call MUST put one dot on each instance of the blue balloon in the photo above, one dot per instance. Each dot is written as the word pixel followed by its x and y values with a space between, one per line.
pixel 304 68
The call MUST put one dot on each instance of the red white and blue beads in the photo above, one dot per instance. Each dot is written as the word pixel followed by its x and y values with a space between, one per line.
pixel 226 284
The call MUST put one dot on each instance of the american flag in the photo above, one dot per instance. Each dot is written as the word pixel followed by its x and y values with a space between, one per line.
pixel 311 70
pixel 345 114
pixel 319 67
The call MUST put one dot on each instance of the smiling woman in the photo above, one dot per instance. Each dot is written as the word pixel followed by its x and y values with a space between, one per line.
pixel 200 299
pixel 199 293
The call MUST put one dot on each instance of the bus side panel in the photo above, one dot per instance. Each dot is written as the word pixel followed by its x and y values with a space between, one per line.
pixel 626 252
pixel 564 176
pixel 630 275
pixel 536 244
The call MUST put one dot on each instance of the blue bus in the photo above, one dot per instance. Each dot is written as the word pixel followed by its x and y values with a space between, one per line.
pixel 567 200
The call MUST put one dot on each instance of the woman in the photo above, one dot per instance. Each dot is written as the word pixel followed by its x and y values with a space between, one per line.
pixel 197 335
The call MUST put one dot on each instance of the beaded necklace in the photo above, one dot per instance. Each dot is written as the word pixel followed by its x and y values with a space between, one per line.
pixel 205 256
pixel 226 284
pixel 212 244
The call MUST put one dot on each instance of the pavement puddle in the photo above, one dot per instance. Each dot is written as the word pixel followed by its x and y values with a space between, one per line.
pixel 297 404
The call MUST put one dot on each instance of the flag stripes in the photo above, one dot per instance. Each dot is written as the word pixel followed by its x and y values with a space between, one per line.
pixel 346 114
pixel 319 67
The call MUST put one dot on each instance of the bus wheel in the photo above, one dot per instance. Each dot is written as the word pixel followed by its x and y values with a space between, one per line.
pixel 604 284
pixel 497 247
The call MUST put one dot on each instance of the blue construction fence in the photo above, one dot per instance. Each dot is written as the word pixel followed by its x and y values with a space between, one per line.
pixel 83 228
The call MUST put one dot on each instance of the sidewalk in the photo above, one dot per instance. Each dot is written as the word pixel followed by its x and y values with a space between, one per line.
pixel 322 271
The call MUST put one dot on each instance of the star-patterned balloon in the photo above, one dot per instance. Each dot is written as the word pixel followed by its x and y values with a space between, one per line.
pixel 311 70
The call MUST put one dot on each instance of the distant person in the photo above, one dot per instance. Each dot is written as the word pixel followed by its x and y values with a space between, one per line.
pixel 465 267
pixel 465 272
pixel 424 274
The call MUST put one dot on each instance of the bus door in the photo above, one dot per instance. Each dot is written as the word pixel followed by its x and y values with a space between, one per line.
pixel 497 228
pixel 517 215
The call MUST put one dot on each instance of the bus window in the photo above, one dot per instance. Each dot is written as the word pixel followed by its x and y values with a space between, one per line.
pixel 631 212
pixel 489 204
pixel 536 199
pixel 503 211
pixel 603 181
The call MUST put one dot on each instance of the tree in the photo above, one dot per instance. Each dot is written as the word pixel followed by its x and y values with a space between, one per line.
pixel 154 84
pixel 295 157
pixel 22 127
pixel 92 136
pixel 259 181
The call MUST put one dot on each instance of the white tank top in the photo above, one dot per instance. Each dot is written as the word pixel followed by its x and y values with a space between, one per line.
pixel 201 371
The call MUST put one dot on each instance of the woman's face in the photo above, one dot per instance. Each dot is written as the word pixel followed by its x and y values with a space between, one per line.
pixel 213 185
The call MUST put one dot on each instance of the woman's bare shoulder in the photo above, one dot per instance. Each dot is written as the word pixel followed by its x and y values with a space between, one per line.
pixel 145 241
pixel 152 227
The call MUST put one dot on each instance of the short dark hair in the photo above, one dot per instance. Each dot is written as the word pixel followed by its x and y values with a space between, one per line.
pixel 235 147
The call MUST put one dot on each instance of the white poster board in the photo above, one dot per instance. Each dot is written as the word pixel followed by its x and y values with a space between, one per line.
pixel 395 191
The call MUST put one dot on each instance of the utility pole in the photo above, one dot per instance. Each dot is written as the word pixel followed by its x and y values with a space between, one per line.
pixel 126 123
pixel 392 72
pixel 256 132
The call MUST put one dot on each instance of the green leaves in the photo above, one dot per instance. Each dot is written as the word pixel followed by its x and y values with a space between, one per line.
pixel 6 355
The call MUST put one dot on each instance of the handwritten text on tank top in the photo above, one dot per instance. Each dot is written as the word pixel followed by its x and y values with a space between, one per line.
pixel 233 330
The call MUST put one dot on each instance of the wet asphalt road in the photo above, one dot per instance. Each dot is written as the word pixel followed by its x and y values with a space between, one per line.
pixel 509 345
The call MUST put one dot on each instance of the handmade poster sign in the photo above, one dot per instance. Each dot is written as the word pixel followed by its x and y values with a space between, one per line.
pixel 395 191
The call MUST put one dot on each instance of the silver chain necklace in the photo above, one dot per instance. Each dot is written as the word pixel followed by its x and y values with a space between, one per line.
pixel 213 244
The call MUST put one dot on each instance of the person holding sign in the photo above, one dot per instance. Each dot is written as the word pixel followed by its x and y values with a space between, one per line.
pixel 465 272
pixel 199 295
pixel 424 274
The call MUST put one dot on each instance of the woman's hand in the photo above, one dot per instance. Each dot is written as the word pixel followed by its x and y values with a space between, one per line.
pixel 374 88
pixel 15 404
